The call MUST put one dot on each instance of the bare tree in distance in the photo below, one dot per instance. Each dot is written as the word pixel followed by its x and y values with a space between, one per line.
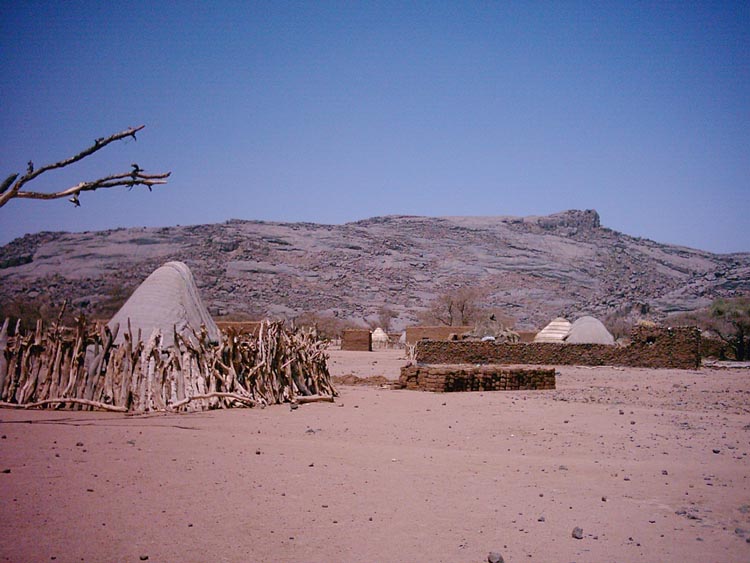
pixel 459 307
pixel 385 317
pixel 13 186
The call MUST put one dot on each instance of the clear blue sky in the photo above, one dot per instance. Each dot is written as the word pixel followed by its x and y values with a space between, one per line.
pixel 336 111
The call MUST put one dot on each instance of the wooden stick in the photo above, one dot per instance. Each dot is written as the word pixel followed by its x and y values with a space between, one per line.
pixel 235 396
pixel 86 402
pixel 313 399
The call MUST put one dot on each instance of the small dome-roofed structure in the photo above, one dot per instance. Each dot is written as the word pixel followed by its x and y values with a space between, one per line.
pixel 379 338
pixel 555 331
pixel 588 330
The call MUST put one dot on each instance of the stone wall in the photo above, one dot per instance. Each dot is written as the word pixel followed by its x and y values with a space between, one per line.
pixel 653 347
pixel 416 333
pixel 446 379
pixel 357 340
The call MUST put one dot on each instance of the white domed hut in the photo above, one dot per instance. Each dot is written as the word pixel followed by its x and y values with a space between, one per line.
pixel 379 339
pixel 588 330
pixel 168 299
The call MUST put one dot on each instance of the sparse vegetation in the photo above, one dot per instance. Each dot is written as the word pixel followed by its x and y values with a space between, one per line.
pixel 328 327
pixel 728 319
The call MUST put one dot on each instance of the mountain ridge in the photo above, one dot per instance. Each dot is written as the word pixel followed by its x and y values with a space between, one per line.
pixel 530 268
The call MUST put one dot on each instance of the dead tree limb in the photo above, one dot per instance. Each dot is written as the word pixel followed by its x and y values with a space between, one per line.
pixel 12 186
pixel 303 400
pixel 234 396
pixel 94 404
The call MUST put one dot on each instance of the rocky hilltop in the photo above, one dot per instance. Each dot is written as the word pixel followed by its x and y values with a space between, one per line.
pixel 530 268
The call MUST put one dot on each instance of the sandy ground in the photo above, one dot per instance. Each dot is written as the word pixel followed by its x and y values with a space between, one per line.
pixel 651 464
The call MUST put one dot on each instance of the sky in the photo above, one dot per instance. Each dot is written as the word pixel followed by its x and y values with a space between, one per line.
pixel 331 112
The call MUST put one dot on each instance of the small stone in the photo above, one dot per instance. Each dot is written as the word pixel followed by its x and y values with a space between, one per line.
pixel 622 411
pixel 257 452
pixel 144 557
pixel 664 472
pixel 541 519
pixel 495 557
pixel 604 499
pixel 6 470
pixel 79 444
pixel 577 533
pixel 716 450
pixel 293 406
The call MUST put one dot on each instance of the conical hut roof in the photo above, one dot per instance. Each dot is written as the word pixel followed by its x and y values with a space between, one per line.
pixel 167 298
pixel 588 330
pixel 555 331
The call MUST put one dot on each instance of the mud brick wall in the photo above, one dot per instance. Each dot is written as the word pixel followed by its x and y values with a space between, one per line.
pixel 416 333
pixel 655 347
pixel 357 340
pixel 241 327
pixel 447 379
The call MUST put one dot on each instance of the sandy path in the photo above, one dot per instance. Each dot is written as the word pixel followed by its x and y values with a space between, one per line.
pixel 395 476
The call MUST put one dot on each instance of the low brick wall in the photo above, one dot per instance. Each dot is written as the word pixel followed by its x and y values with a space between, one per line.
pixel 653 347
pixel 416 333
pixel 357 340
pixel 241 327
pixel 446 379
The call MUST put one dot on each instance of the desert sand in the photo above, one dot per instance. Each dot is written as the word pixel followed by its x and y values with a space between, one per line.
pixel 652 465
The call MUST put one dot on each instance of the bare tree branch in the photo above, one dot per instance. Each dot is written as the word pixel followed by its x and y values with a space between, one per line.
pixel 12 185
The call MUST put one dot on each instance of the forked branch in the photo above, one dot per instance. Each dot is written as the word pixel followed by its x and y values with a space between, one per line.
pixel 13 185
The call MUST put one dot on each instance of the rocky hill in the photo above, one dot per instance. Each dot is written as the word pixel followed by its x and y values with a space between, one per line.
pixel 530 268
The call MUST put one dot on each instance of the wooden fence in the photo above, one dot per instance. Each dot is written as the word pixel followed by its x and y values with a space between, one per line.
pixel 82 368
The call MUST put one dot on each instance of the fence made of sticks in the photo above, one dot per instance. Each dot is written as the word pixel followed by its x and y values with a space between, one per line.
pixel 81 367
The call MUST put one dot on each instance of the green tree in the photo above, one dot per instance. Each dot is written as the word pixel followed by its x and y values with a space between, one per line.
pixel 728 319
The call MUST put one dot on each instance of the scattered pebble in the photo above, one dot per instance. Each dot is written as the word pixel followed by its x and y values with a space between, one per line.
pixel 495 557
pixel 144 557
pixel 716 450
pixel 79 444
pixel 577 533
pixel 541 519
